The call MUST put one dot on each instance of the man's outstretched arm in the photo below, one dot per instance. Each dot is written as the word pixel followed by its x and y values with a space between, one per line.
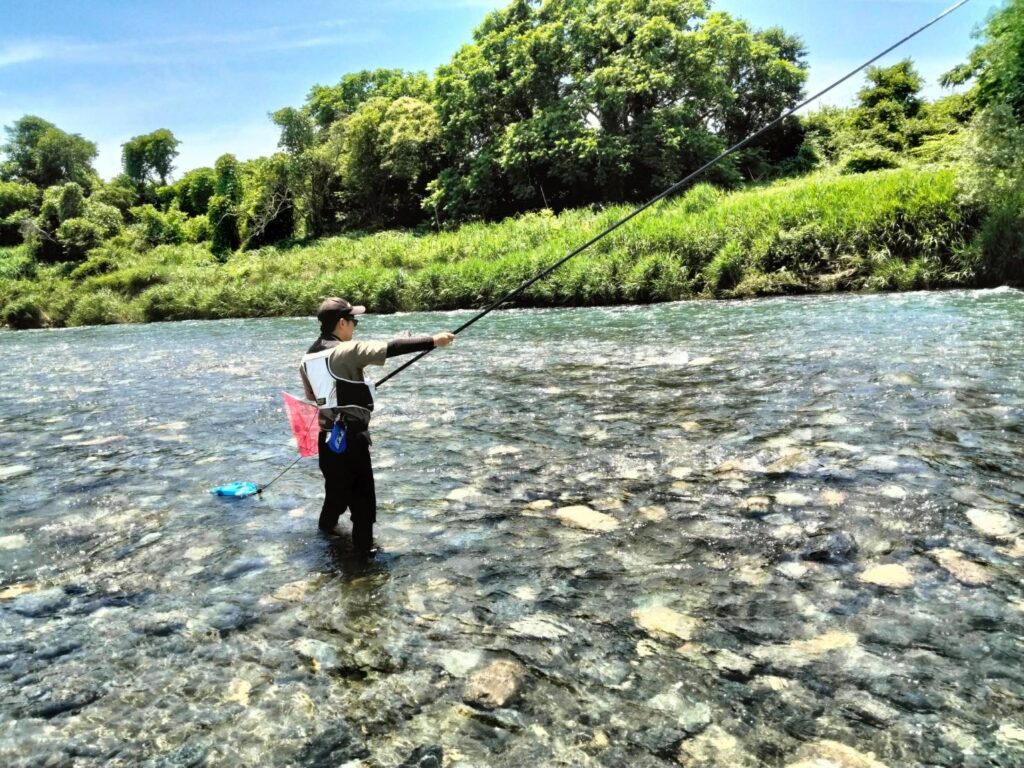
pixel 412 344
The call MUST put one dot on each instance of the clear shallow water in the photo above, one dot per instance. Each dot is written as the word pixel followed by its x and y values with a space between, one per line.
pixel 753 463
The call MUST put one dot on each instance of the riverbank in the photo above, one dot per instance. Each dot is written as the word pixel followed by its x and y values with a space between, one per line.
pixel 902 229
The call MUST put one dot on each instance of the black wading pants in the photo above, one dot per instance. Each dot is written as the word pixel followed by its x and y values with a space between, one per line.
pixel 348 483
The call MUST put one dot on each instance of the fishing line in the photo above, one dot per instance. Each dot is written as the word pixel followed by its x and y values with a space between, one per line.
pixel 676 187
pixel 668 192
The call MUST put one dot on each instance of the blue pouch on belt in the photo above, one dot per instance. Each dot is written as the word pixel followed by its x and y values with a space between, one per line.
pixel 336 440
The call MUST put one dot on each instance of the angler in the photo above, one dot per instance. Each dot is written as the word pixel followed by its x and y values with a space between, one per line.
pixel 333 378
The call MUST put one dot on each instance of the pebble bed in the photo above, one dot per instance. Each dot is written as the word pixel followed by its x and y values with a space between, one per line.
pixel 785 532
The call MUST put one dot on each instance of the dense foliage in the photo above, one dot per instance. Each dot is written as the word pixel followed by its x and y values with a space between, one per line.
pixel 554 105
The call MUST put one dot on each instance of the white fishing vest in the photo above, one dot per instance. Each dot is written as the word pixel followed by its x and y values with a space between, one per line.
pixel 334 392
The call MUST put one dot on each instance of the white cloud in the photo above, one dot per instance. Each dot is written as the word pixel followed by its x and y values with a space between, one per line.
pixel 263 40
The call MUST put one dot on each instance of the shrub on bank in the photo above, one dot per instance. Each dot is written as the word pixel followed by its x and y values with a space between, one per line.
pixel 882 230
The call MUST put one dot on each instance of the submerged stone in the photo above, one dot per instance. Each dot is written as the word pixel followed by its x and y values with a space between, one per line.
pixel 333 746
pixel 238 692
pixel 39 604
pixel 653 513
pixel 837 547
pixel 792 499
pixel 962 569
pixel 14 541
pixel 580 516
pixel 459 663
pixel 992 522
pixel 792 570
pixel 468 493
pixel 323 657
pixel 799 653
pixel 756 504
pixel 894 576
pixel 666 621
pixel 17 590
pixel 833 754
pixel 495 685
pixel 1011 735
pixel 14 470
pixel 714 748
pixel 831 498
pixel 542 626
pixel 424 757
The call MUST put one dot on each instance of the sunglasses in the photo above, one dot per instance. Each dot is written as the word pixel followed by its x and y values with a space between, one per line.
pixel 353 320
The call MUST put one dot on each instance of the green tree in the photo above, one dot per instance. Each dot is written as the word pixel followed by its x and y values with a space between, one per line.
pixel 194 190
pixel 995 152
pixel 389 151
pixel 568 102
pixel 326 104
pixel 312 154
pixel 997 63
pixel 148 159
pixel 267 205
pixel 40 153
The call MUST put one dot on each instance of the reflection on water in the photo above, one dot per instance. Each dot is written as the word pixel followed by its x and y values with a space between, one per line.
pixel 738 534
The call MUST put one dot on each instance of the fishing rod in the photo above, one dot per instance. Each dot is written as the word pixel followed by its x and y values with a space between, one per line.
pixel 657 198
pixel 676 187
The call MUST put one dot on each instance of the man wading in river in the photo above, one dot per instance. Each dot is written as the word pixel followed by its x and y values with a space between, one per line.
pixel 332 375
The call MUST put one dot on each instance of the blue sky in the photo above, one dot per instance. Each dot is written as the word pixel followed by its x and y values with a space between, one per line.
pixel 211 70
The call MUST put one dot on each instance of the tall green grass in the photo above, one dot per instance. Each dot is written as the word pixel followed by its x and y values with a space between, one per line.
pixel 886 230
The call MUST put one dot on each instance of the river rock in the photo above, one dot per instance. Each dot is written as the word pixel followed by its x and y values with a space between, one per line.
pixel 17 590
pixel 756 504
pixel 14 470
pixel 457 662
pixel 892 491
pixel 495 685
pixel 14 541
pixel 1011 735
pixel 866 708
pixel 792 570
pixel 732 664
pixel 837 547
pixel 886 465
pixel 992 522
pixel 832 754
pixel 661 620
pixel 962 569
pixel 293 591
pixel 424 757
pixel 739 467
pixel 714 748
pixel 792 499
pixel 238 692
pixel 832 498
pixel 894 576
pixel 468 493
pixel 799 653
pixel 692 716
pixel 1014 552
pixel 796 462
pixel 653 513
pixel 580 516
pixel 39 604
pixel 333 746
pixel 541 626
pixel 323 657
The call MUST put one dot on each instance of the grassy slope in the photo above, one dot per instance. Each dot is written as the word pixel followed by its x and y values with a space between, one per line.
pixel 897 229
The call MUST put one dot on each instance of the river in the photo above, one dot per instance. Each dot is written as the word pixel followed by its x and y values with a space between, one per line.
pixel 710 534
